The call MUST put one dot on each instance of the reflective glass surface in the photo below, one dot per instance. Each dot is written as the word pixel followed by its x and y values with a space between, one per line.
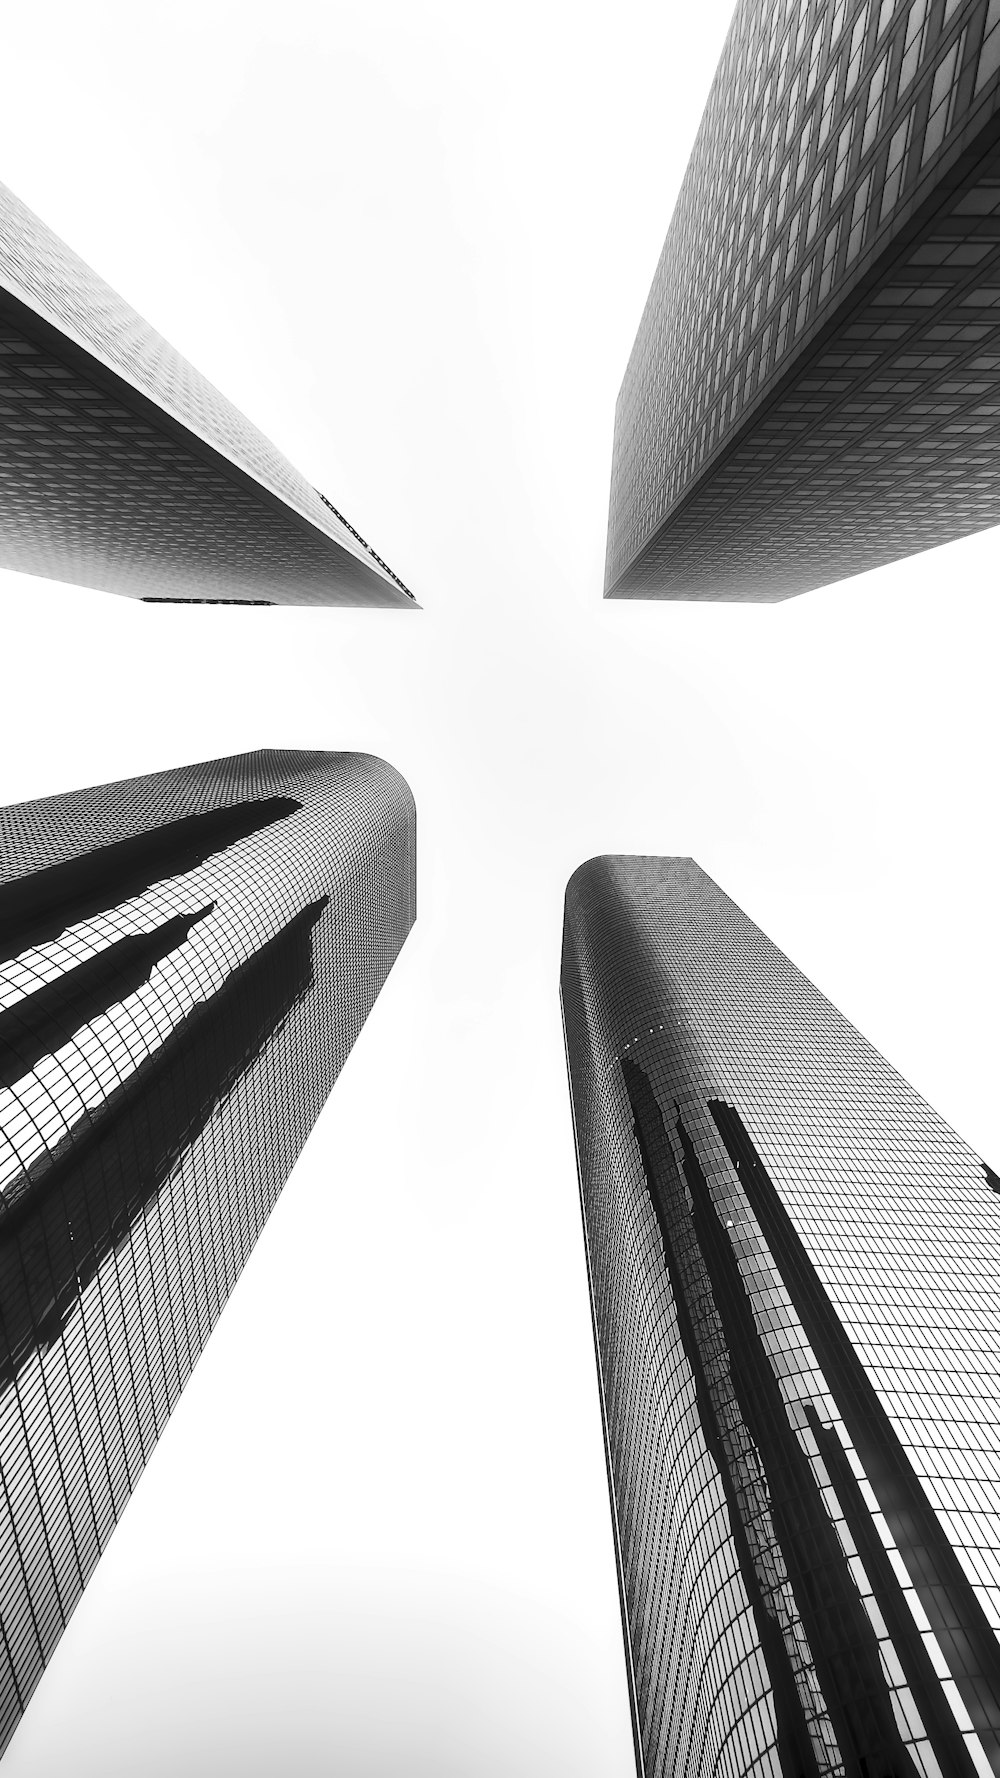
pixel 186 962
pixel 793 1264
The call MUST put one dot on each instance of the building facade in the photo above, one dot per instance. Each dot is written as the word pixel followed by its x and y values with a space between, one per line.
pixel 793 1266
pixel 813 390
pixel 121 468
pixel 185 962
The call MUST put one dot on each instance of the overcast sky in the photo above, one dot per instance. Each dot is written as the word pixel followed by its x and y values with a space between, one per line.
pixel 412 240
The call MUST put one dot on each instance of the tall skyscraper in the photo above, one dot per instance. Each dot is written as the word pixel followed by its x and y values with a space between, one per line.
pixel 185 962
pixel 813 388
pixel 793 1267
pixel 122 468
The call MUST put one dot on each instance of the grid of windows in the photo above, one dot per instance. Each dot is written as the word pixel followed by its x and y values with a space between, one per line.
pixel 838 142
pixel 191 957
pixel 792 1264
pixel 122 468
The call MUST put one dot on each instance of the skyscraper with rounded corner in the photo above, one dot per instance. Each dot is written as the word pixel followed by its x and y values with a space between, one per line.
pixel 185 962
pixel 793 1265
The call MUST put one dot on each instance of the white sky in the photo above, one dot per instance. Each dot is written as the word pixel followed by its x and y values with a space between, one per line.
pixel 412 241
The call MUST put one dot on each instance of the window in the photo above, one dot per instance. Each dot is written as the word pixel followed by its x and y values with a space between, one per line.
pixel 894 165
pixel 859 216
pixel 772 280
pixel 838 21
pixel 804 145
pixel 885 17
pixel 793 100
pixel 782 193
pixel 815 204
pixel 857 50
pixel 793 241
pixel 913 43
pixel 876 92
pixel 814 55
pixel 772 152
pixel 829 260
pixel 829 95
pixel 943 92
pixel 805 285
pixel 765 343
pixel 843 155
pixel 782 334
pixel 989 55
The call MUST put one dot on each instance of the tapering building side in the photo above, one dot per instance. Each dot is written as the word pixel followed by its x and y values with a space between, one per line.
pixel 793 1265
pixel 813 390
pixel 185 962
pixel 122 468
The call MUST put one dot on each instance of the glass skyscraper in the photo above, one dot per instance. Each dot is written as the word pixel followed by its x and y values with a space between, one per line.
pixel 122 468
pixel 793 1266
pixel 813 387
pixel 185 962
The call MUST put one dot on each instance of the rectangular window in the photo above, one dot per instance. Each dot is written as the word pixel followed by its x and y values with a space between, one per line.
pixel 793 241
pixel 765 223
pixel 939 117
pixel 885 17
pixel 857 50
pixel 782 193
pixel 805 285
pixel 989 55
pixel 859 216
pixel 843 156
pixel 765 346
pixel 815 204
pixel 913 44
pixel 782 334
pixel 876 93
pixel 793 100
pixel 772 280
pixel 829 95
pixel 814 55
pixel 800 36
pixel 772 152
pixel 894 166
pixel 830 246
pixel 804 144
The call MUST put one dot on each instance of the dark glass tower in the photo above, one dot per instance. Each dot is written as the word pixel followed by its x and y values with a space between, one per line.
pixel 185 962
pixel 122 468
pixel 813 388
pixel 793 1267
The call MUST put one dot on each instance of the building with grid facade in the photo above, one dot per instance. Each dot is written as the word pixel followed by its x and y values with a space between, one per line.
pixel 813 390
pixel 121 468
pixel 185 962
pixel 793 1265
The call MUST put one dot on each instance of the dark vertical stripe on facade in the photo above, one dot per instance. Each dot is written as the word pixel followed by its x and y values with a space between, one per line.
pixel 795 1749
pixel 945 1592
pixel 914 1659
pixel 843 1641
pixel 44 1021
pixel 80 1201
pixel 35 909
